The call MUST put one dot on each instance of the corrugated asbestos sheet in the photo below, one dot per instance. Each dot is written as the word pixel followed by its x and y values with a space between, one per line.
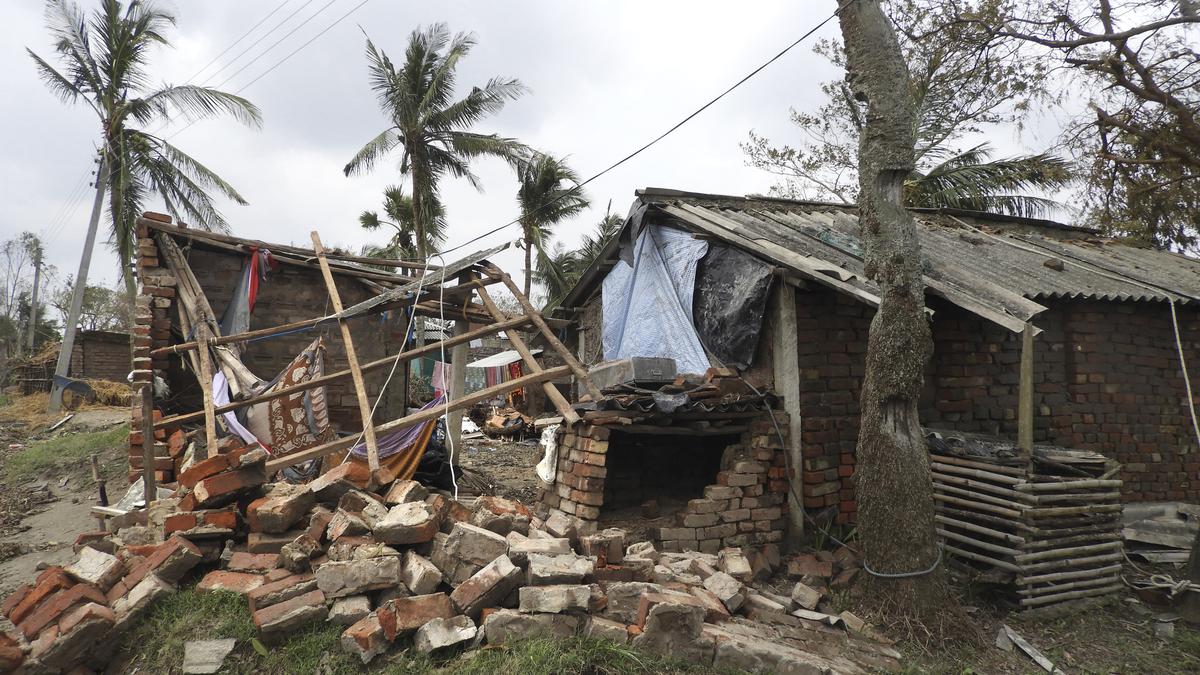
pixel 998 272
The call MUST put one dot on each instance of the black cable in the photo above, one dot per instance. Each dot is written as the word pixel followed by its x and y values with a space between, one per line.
pixel 668 132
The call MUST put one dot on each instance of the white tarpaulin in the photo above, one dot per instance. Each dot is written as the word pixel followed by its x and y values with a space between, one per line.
pixel 648 306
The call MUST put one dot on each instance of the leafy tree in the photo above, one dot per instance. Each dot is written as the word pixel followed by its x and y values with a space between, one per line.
pixel 962 81
pixel 105 59
pixel 1136 63
pixel 398 208
pixel 102 309
pixel 432 129
pixel 547 193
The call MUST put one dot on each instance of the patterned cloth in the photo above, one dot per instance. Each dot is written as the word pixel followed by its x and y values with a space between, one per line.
pixel 301 420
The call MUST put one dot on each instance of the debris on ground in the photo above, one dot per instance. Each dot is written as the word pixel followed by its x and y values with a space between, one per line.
pixel 404 562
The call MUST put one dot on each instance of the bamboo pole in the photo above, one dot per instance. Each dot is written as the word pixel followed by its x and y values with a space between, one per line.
pixel 994 548
pixel 422 416
pixel 985 518
pixel 979 529
pixel 973 505
pixel 149 488
pixel 551 339
pixel 985 487
pixel 976 473
pixel 1066 552
pixel 1062 576
pixel 1006 566
pixel 1071 562
pixel 360 387
pixel 979 497
pixel 1070 585
pixel 206 380
pixel 1074 510
pixel 1084 484
pixel 343 374
pixel 1073 595
pixel 514 337
pixel 986 466
pixel 1025 397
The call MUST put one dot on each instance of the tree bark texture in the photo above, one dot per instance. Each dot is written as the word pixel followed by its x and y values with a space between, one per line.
pixel 893 485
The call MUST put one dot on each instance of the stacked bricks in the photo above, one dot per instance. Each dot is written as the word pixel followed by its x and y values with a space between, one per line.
pixel 746 504
pixel 152 330
pixel 100 355
pixel 582 459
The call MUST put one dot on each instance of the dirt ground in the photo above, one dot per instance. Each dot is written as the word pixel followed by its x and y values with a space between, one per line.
pixel 41 515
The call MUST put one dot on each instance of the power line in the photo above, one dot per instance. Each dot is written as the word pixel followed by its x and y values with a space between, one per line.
pixel 668 132
pixel 243 37
pixel 283 60
pixel 277 42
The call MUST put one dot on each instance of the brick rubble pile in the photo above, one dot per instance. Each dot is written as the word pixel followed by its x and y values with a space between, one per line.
pixel 402 565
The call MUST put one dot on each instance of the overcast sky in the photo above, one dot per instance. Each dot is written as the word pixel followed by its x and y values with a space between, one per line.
pixel 605 77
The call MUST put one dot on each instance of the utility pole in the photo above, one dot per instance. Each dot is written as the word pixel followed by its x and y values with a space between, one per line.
pixel 33 303
pixel 85 261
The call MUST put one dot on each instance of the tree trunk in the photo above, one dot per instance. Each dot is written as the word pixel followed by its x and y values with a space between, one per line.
pixel 418 202
pixel 528 263
pixel 893 484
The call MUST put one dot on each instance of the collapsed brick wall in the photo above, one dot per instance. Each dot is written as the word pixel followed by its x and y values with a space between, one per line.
pixel 100 355
pixel 1106 379
pixel 745 505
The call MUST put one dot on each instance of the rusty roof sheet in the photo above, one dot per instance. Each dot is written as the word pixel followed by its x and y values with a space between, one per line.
pixel 995 267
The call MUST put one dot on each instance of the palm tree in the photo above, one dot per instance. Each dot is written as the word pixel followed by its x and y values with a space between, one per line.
pixel 548 193
pixel 105 59
pixel 971 180
pixel 431 128
pixel 398 207
pixel 561 268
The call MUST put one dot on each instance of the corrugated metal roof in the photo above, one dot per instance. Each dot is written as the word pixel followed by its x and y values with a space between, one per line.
pixel 996 268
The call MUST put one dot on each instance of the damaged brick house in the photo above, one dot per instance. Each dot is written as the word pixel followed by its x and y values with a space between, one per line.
pixel 776 289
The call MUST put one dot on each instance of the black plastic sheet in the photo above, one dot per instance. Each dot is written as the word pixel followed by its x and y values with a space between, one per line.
pixel 732 288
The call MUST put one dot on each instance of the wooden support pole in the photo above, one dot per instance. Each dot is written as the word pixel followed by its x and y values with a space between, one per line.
pixel 551 339
pixel 360 388
pixel 206 377
pixel 458 381
pixel 150 489
pixel 101 487
pixel 422 416
pixel 560 402
pixel 343 374
pixel 1025 394
pixel 785 360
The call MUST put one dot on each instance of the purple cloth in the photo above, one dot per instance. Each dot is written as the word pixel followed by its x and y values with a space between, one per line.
pixel 400 439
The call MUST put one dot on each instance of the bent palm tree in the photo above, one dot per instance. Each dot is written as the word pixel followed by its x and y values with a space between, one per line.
pixel 105 59
pixel 398 207
pixel 972 181
pixel 548 193
pixel 430 127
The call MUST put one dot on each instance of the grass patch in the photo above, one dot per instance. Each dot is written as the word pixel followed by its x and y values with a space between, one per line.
pixel 66 450
pixel 4 399
pixel 571 655
pixel 155 645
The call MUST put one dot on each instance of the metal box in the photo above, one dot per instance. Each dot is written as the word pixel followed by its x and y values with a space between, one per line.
pixel 633 370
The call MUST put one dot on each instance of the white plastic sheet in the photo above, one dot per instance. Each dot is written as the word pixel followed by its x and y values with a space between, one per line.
pixel 647 307
pixel 547 469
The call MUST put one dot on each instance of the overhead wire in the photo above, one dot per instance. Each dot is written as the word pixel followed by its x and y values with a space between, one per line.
pixel 579 186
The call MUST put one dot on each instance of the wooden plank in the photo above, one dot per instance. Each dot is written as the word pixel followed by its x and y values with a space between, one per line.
pixel 551 339
pixel 1025 396
pixel 785 362
pixel 422 416
pixel 206 377
pixel 514 337
pixel 360 387
pixel 342 374
pixel 150 489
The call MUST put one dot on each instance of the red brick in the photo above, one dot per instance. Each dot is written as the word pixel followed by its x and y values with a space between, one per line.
pixel 403 615
pixel 50 581
pixel 278 589
pixel 259 563
pixel 203 469
pixel 176 443
pixel 236 582
pixel 266 615
pixel 54 606
pixel 179 522
pixel 649 600
pixel 14 599
pixel 219 487
pixel 11 655
pixel 88 612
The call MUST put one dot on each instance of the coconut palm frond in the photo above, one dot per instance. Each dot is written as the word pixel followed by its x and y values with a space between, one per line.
pixel 972 181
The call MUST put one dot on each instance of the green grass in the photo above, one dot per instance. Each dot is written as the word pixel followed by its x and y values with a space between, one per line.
pixel 4 400
pixel 155 645
pixel 68 450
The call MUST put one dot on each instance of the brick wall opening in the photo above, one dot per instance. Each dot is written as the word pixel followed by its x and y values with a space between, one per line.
pixel 668 469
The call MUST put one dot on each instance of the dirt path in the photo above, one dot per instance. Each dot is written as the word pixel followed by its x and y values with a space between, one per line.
pixel 48 539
